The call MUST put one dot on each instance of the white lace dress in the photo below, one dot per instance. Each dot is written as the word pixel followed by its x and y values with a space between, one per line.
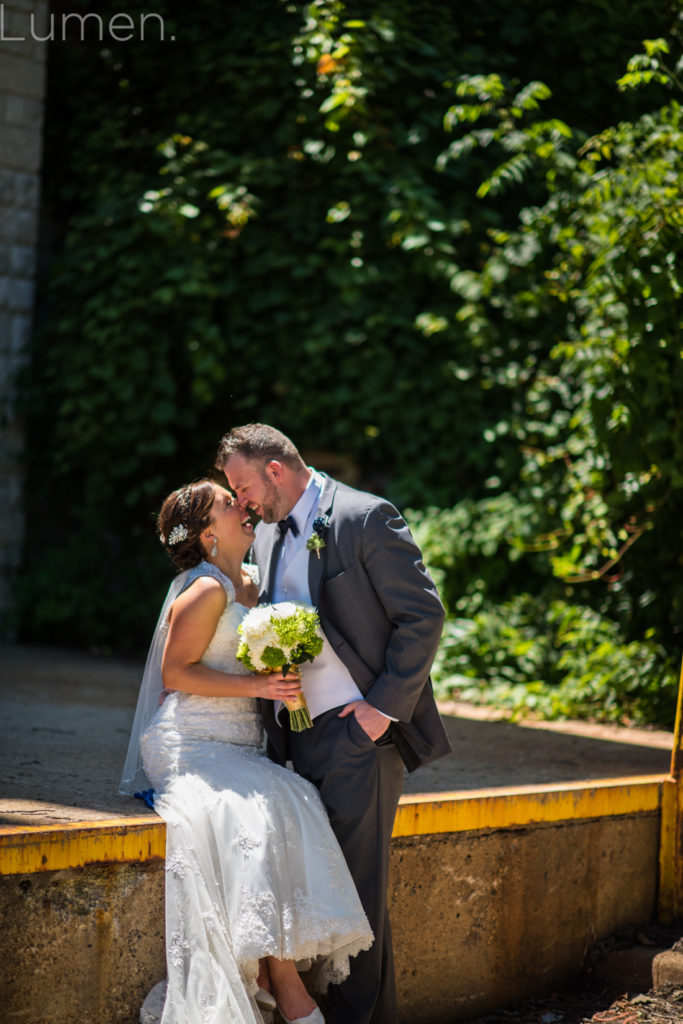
pixel 252 866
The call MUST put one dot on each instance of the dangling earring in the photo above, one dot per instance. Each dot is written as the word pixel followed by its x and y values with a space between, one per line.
pixel 214 549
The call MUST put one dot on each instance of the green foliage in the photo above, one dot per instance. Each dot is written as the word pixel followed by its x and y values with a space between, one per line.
pixel 646 68
pixel 478 551
pixel 277 217
pixel 610 448
pixel 555 660
pixel 599 491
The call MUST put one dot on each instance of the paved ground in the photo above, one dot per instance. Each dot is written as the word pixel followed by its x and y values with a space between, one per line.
pixel 65 718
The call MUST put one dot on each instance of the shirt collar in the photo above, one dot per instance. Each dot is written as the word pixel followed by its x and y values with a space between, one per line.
pixel 308 502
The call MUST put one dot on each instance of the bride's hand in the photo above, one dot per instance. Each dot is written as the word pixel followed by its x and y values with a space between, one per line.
pixel 278 687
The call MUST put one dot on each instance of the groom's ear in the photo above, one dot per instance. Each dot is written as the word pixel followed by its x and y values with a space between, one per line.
pixel 276 471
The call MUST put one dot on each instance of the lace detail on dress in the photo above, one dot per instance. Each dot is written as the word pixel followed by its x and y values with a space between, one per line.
pixel 178 948
pixel 177 863
pixel 246 842
pixel 252 866
pixel 187 720
pixel 256 926
pixel 205 568
pixel 207 1004
pixel 209 569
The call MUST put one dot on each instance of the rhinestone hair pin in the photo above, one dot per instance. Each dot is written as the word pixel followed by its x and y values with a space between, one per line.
pixel 177 534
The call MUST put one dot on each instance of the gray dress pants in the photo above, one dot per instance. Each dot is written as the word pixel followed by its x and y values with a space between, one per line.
pixel 360 783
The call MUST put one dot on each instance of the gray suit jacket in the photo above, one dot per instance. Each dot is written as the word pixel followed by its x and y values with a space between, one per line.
pixel 380 611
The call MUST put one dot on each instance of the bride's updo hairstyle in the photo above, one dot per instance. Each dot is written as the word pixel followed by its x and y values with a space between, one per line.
pixel 183 517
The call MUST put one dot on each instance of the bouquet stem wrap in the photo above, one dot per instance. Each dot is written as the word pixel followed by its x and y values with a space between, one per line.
pixel 299 715
pixel 281 637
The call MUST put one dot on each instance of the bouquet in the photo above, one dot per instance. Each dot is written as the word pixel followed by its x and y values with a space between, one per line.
pixel 277 637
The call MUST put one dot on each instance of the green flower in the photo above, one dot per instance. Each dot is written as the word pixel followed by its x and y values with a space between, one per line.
pixel 243 656
pixel 274 658
pixel 315 543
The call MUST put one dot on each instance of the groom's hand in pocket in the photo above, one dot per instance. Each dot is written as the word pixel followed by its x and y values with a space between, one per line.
pixel 371 721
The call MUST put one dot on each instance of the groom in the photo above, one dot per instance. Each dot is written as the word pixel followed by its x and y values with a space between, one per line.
pixel 350 555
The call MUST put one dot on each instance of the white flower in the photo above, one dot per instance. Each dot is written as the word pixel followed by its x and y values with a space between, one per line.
pixel 283 609
pixel 290 634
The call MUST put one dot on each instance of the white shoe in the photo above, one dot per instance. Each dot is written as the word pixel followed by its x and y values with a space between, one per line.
pixel 265 999
pixel 314 1017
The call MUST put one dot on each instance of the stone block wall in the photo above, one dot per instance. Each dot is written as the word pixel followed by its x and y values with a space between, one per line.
pixel 22 87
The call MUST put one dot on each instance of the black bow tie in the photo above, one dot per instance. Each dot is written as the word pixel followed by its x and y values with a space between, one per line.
pixel 288 524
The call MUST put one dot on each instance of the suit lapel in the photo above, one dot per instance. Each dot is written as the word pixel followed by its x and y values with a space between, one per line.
pixel 316 565
pixel 268 565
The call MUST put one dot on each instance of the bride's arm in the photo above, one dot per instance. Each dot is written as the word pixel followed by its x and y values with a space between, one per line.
pixel 192 624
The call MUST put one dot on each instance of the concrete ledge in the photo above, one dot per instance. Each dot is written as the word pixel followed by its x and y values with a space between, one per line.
pixel 480 919
pixel 26 850
pixel 498 808
pixel 494 895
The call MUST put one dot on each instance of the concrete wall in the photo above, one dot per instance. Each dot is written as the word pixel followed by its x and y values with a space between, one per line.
pixel 22 84
pixel 483 919
pixel 480 919
pixel 81 944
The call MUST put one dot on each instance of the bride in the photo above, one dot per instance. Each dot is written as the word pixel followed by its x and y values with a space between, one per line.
pixel 255 879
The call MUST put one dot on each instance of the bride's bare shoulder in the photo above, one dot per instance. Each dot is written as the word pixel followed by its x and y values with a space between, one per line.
pixel 203 594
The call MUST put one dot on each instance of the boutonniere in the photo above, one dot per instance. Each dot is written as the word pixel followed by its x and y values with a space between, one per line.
pixel 316 542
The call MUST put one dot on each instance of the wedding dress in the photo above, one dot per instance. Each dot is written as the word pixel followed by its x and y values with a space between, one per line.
pixel 252 866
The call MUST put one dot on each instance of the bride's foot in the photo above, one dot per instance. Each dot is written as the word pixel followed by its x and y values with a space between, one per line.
pixel 265 1000
pixel 293 1001
pixel 264 997
pixel 315 1017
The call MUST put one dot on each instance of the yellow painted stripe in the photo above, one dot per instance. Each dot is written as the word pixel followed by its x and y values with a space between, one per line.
pixel 668 896
pixel 25 850
pixel 55 847
pixel 507 808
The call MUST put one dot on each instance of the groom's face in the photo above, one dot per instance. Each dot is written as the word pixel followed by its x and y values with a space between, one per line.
pixel 256 486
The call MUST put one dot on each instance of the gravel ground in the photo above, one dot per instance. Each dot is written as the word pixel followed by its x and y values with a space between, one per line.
pixel 663 1007
pixel 597 1006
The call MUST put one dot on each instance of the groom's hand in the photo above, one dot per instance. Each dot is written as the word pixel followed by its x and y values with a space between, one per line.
pixel 371 721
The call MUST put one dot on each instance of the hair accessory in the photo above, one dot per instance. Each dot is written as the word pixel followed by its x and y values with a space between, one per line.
pixel 177 534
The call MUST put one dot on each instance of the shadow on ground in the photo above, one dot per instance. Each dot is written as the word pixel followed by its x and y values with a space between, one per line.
pixel 65 718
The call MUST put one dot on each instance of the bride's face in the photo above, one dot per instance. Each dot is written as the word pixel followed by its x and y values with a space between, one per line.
pixel 229 523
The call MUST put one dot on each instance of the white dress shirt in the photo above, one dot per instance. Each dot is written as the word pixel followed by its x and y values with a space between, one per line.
pixel 326 681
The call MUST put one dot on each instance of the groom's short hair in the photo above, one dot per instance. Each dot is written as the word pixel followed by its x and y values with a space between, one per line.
pixel 260 443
